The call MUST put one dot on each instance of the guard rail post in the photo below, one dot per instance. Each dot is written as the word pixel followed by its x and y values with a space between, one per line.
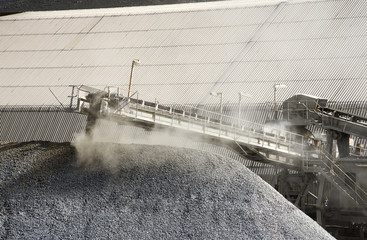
pixel 137 103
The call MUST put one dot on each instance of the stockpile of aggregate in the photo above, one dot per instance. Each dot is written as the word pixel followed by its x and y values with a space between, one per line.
pixel 112 191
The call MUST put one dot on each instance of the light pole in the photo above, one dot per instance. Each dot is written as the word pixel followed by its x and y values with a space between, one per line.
pixel 135 62
pixel 276 86
pixel 240 95
pixel 220 95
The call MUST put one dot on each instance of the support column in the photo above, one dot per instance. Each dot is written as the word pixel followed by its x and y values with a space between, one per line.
pixel 343 145
pixel 274 181
pixel 329 142
pixel 361 233
pixel 300 201
pixel 319 207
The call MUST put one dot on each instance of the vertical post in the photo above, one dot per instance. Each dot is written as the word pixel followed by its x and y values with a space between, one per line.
pixel 275 103
pixel 307 108
pixel 78 104
pixel 172 114
pixel 188 125
pixel 137 103
pixel 361 232
pixel 320 193
pixel 155 108
pixel 204 126
pixel 221 107
pixel 220 94
pixel 329 142
pixel 241 94
pixel 131 78
pixel 134 62
pixel 72 97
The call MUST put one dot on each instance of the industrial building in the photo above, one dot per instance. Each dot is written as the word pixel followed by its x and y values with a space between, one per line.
pixel 224 72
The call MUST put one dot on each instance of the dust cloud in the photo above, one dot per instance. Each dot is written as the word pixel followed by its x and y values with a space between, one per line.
pixel 92 154
pixel 100 148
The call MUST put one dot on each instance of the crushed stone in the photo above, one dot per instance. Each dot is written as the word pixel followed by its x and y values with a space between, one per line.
pixel 51 191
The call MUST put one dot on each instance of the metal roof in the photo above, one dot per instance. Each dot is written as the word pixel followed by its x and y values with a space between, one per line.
pixel 187 50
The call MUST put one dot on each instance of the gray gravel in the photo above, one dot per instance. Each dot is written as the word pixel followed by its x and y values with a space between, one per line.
pixel 141 192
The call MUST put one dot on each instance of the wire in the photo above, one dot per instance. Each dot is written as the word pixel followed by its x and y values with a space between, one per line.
pixel 57 99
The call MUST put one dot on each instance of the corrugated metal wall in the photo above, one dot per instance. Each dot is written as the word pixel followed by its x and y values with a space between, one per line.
pixel 21 124
pixel 314 47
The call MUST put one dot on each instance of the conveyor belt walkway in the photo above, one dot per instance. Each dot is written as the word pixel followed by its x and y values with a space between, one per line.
pixel 252 140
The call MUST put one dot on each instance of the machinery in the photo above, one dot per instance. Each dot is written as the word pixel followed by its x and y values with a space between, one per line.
pixel 95 103
pixel 343 178
pixel 309 174
pixel 303 110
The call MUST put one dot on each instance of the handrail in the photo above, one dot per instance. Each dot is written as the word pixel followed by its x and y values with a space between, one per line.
pixel 337 169
pixel 233 121
pixel 326 159
pixel 250 133
pixel 329 163
pixel 226 119
pixel 233 126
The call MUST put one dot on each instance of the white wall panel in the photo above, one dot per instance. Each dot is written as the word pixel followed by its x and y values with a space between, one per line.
pixel 310 46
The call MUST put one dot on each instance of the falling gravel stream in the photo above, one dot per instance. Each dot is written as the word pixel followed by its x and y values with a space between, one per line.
pixel 53 191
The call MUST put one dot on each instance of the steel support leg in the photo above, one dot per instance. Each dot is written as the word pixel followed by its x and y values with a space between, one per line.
pixel 303 193
pixel 319 206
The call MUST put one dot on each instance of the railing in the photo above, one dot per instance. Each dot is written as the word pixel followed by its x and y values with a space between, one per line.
pixel 241 132
pixel 311 159
pixel 210 123
pixel 328 166
pixel 339 174
pixel 320 160
pixel 358 151
pixel 213 123
pixel 251 133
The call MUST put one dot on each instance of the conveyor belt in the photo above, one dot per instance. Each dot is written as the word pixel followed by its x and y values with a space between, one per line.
pixel 343 122
pixel 248 138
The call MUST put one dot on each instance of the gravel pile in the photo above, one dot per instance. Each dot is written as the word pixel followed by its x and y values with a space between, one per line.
pixel 112 191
